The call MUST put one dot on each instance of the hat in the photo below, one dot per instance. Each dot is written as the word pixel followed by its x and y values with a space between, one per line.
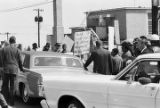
pixel 12 39
pixel 58 44
pixel 143 37
pixel 34 45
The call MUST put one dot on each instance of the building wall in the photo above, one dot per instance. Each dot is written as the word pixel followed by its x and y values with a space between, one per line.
pixel 136 23
pixel 120 15
pixel 133 22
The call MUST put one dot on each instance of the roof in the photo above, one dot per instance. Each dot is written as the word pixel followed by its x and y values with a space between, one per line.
pixel 42 53
pixel 149 56
pixel 117 9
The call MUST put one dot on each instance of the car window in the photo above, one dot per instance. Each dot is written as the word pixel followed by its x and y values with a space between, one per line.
pixel 57 61
pixel 47 61
pixel 73 62
pixel 148 68
pixel 131 72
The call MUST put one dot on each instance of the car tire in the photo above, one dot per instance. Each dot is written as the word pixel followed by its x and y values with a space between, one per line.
pixel 25 95
pixel 74 104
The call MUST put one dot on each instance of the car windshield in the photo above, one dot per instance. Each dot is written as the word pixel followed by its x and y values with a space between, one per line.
pixel 56 61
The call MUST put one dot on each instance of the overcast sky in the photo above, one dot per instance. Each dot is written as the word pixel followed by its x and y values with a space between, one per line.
pixel 21 22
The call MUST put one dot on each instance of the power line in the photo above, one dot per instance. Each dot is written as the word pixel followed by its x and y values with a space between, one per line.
pixel 24 7
pixel 7 34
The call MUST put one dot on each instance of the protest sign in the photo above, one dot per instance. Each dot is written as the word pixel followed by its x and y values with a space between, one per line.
pixel 82 42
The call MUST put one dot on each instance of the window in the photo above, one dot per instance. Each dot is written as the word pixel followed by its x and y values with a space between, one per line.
pixel 148 68
pixel 47 61
pixel 57 61
pixel 73 63
pixel 149 23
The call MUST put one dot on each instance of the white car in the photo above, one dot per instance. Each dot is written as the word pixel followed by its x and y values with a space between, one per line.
pixel 38 64
pixel 136 86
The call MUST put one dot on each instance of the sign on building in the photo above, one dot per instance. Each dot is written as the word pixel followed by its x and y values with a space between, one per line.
pixel 82 42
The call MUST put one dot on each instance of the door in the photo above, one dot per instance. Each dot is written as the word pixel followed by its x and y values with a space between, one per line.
pixel 128 92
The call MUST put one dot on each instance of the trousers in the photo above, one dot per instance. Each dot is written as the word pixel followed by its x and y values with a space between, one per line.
pixel 9 87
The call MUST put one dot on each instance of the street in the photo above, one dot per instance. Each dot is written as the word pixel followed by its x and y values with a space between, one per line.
pixel 20 104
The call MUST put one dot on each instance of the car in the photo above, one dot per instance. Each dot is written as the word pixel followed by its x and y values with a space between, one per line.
pixel 38 64
pixel 136 86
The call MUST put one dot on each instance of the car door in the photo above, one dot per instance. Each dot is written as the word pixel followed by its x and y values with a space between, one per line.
pixel 129 93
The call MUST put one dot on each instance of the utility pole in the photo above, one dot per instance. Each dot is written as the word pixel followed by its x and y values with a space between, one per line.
pixel 38 19
pixel 155 4
pixel 7 34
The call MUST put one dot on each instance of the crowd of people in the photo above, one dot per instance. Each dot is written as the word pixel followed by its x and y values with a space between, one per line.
pixel 103 60
pixel 47 47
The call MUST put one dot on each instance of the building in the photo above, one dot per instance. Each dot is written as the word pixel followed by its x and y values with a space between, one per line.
pixel 128 22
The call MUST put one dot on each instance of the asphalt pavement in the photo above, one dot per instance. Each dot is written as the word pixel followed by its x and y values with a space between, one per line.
pixel 20 104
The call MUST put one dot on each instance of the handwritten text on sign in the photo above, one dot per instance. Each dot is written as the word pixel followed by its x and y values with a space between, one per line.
pixel 82 42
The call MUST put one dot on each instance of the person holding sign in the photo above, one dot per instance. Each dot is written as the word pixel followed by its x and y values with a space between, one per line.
pixel 102 60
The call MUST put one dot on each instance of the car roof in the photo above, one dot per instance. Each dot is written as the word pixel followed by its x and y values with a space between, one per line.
pixel 151 56
pixel 42 53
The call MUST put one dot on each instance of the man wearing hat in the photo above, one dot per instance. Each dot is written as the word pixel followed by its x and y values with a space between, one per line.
pixel 11 63
pixel 34 47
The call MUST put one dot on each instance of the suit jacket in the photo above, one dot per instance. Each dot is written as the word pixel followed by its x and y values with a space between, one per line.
pixel 102 61
pixel 147 50
pixel 11 59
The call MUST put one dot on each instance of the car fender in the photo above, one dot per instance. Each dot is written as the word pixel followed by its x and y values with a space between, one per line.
pixel 75 96
pixel 21 79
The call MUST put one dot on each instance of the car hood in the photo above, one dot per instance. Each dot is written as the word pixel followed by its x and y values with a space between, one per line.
pixel 71 74
pixel 60 71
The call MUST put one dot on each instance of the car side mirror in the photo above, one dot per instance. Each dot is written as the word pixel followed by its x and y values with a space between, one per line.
pixel 144 80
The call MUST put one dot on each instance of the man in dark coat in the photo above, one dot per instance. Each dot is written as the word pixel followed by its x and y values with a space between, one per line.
pixel 3 102
pixel 142 47
pixel 11 63
pixel 102 60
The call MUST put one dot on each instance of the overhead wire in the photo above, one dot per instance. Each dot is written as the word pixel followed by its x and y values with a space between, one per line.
pixel 24 7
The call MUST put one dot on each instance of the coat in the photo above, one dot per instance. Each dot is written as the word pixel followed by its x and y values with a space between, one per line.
pixel 147 50
pixel 102 61
pixel 11 59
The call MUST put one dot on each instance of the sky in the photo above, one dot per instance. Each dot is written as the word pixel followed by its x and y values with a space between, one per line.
pixel 21 24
